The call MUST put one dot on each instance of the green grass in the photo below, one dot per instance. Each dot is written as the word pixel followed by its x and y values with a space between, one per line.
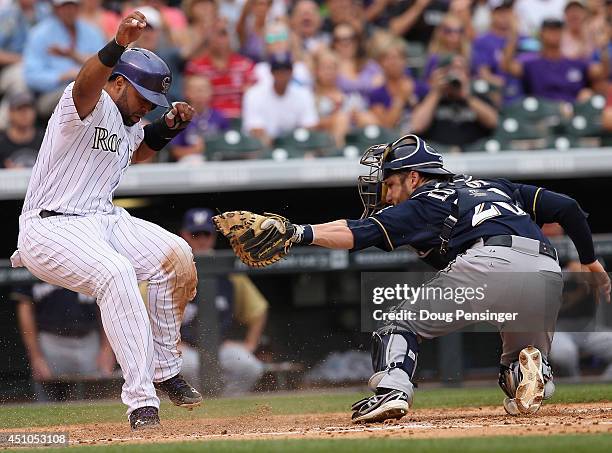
pixel 561 443
pixel 29 415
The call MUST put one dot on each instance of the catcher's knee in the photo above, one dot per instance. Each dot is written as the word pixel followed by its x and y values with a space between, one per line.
pixel 394 358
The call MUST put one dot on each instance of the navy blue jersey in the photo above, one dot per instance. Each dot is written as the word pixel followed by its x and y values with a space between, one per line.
pixel 484 208
pixel 61 311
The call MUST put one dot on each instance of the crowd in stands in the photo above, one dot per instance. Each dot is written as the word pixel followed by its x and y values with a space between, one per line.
pixel 458 72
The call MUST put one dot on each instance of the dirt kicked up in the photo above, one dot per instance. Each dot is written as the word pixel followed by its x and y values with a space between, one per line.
pixel 580 418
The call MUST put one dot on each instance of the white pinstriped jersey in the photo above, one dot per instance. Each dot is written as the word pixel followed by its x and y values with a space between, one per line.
pixel 81 162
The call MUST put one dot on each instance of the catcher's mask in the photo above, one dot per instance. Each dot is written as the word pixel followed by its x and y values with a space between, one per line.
pixel 403 155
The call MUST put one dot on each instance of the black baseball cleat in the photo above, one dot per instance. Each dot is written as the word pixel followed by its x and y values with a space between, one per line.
pixel 378 408
pixel 180 392
pixel 146 417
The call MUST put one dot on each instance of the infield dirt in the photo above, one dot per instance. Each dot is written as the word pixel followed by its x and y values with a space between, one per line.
pixel 420 423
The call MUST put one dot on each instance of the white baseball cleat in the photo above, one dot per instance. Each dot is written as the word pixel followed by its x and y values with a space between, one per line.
pixel 530 391
pixel 378 408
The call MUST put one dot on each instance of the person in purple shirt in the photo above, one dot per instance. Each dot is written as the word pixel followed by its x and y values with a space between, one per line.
pixel 487 50
pixel 550 75
pixel 392 102
pixel 188 146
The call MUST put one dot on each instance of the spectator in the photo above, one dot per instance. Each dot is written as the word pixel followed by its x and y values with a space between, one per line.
pixel 276 109
pixel 449 39
pixel 242 316
pixel 231 10
pixel 279 40
pixel 532 13
pixel 173 19
pixel 62 334
pixel 15 24
pixel 188 146
pixel 392 102
pixel 416 20
pixel 358 73
pixel 337 111
pixel 481 15
pixel 577 42
pixel 106 20
pixel 487 50
pixel 155 39
pixel 16 21
pixel 55 50
pixel 201 16
pixel 251 28
pixel 306 24
pixel 20 142
pixel 550 75
pixel 450 114
pixel 344 12
pixel 229 73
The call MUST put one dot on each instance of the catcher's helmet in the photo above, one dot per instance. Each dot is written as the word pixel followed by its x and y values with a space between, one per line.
pixel 405 154
pixel 412 153
pixel 148 73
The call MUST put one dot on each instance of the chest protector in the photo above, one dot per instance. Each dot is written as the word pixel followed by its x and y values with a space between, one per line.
pixel 467 195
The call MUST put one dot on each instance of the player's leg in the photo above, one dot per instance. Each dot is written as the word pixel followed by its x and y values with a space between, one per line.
pixel 71 252
pixel 599 345
pixel 395 348
pixel 165 261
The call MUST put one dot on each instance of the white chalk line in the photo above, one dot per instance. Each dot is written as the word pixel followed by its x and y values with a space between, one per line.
pixel 336 430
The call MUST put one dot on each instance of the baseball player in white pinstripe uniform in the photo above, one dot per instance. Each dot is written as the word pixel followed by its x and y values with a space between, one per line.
pixel 71 234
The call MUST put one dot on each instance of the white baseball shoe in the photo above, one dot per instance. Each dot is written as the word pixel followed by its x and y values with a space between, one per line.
pixel 378 408
pixel 530 390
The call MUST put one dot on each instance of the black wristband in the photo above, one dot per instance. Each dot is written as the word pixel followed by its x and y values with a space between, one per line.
pixel 308 236
pixel 158 134
pixel 109 54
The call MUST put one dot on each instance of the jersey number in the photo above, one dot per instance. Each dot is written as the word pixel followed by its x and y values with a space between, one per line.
pixel 481 214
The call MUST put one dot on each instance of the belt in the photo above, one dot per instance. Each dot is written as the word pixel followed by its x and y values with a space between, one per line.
pixel 506 241
pixel 44 214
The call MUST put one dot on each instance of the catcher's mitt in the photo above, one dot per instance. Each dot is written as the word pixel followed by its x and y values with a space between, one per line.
pixel 258 240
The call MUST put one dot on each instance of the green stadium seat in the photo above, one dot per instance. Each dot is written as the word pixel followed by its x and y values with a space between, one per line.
pixel 303 143
pixel 370 135
pixel 232 145
pixel 490 145
pixel 586 121
pixel 535 110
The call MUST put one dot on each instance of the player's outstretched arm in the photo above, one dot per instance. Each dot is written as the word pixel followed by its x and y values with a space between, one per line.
pixel 95 72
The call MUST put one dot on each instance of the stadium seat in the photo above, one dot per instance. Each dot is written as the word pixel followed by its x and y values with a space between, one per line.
pixel 370 135
pixel 534 111
pixel 490 145
pixel 586 121
pixel 521 134
pixel 303 143
pixel 232 145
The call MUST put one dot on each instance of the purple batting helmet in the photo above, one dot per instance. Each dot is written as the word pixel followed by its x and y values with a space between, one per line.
pixel 148 73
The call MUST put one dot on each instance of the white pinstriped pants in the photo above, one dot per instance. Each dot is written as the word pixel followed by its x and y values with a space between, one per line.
pixel 105 256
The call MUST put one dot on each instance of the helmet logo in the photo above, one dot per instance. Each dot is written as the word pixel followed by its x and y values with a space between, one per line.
pixel 165 85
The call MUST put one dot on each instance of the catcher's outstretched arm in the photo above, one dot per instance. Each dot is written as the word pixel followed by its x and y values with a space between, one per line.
pixel 333 235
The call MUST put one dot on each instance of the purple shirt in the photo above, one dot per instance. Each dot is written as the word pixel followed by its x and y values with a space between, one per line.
pixel 207 123
pixel 364 83
pixel 559 80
